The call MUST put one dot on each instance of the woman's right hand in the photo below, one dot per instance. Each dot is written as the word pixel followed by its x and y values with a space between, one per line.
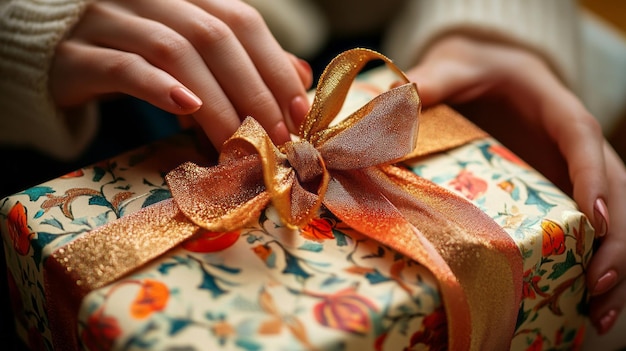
pixel 214 59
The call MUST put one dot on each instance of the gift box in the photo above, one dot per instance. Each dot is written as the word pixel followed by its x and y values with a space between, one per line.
pixel 271 285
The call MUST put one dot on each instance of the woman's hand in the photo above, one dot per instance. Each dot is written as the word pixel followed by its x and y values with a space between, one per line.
pixel 515 96
pixel 214 59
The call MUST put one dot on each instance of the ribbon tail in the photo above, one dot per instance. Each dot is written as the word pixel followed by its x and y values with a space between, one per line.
pixel 483 257
pixel 388 119
pixel 371 213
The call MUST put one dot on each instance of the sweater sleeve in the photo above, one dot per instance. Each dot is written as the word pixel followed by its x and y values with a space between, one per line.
pixel 29 33
pixel 549 28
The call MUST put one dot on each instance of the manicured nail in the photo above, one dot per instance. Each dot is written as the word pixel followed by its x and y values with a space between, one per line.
pixel 280 134
pixel 606 322
pixel 297 110
pixel 601 217
pixel 185 98
pixel 605 283
pixel 304 64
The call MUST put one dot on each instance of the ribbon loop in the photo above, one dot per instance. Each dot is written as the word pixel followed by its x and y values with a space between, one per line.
pixel 389 119
pixel 333 88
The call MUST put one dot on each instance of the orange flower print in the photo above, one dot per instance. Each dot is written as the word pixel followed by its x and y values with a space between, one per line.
pixel 223 329
pixel 537 344
pixel 434 332
pixel 206 242
pixel 19 232
pixel 264 252
pixel 530 285
pixel 74 174
pixel 345 310
pixel 507 155
pixel 318 229
pixel 469 185
pixel 507 186
pixel 100 332
pixel 152 297
pixel 553 238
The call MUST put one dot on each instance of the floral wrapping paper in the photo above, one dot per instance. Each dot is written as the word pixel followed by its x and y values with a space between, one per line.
pixel 267 287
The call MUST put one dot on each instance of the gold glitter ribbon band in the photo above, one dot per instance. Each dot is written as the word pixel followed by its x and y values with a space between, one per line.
pixel 350 168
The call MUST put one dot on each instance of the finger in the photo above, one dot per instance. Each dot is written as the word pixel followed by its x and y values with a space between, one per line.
pixel 607 272
pixel 172 53
pixel 578 135
pixel 87 72
pixel 607 308
pixel 227 60
pixel 305 72
pixel 448 81
pixel 300 105
pixel 269 58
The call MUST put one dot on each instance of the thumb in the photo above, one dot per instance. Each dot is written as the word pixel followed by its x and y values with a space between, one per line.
pixel 447 81
pixel 430 83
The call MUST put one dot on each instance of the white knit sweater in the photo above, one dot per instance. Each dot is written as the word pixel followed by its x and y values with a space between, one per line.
pixel 29 33
pixel 31 29
pixel 549 28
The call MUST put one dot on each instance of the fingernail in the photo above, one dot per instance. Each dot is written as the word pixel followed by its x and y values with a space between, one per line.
pixel 601 217
pixel 605 283
pixel 297 110
pixel 305 66
pixel 606 322
pixel 185 98
pixel 280 134
pixel 305 72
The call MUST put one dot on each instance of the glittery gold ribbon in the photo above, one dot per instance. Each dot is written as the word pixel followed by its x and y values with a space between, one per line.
pixel 350 168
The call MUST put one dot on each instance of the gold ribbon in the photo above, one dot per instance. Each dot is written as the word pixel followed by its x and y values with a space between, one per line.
pixel 350 168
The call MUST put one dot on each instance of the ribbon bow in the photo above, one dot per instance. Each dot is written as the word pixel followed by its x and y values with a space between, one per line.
pixel 326 164
pixel 350 168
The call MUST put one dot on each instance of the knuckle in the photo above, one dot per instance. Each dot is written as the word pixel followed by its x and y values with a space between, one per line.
pixel 120 64
pixel 587 124
pixel 217 107
pixel 96 9
pixel 262 103
pixel 63 49
pixel 245 17
pixel 209 31
pixel 169 47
